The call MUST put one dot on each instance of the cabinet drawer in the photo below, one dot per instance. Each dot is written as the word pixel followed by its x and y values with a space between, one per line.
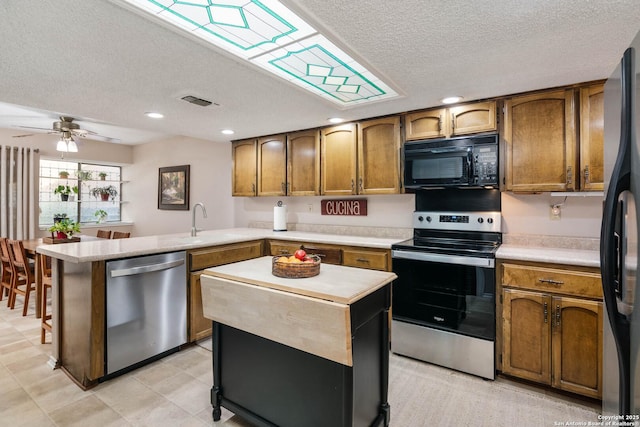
pixel 219 255
pixel 375 260
pixel 549 279
pixel 328 254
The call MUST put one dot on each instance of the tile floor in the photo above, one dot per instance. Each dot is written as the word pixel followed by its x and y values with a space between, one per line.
pixel 174 391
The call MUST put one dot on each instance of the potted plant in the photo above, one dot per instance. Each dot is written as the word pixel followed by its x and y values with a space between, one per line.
pixel 104 193
pixel 102 175
pixel 63 174
pixel 59 217
pixel 63 191
pixel 64 228
pixel 84 175
pixel 74 190
pixel 101 215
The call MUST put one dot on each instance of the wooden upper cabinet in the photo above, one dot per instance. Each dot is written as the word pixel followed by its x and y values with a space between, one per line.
pixel 540 139
pixel 379 156
pixel 473 118
pixel 303 163
pixel 592 138
pixel 272 165
pixel 463 119
pixel 244 167
pixel 426 124
pixel 338 160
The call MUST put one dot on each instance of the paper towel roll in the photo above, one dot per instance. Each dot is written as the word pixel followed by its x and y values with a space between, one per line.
pixel 280 218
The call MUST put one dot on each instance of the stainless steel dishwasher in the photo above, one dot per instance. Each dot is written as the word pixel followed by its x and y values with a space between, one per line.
pixel 146 308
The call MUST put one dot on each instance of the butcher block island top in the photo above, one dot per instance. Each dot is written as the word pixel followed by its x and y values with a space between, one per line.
pixel 344 285
pixel 290 352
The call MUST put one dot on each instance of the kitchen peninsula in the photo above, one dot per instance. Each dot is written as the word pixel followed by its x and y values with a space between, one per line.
pixel 311 351
pixel 80 270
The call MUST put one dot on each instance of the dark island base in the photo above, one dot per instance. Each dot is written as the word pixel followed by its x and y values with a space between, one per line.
pixel 271 384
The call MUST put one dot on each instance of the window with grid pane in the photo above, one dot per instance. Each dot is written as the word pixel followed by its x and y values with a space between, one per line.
pixel 83 184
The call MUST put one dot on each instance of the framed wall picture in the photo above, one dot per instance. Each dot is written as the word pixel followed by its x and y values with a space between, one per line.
pixel 173 188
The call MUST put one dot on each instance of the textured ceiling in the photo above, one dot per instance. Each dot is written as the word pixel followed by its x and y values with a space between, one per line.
pixel 105 65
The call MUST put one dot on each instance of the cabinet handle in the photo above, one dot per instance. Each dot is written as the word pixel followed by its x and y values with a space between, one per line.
pixel 546 312
pixel 253 188
pixel 551 281
pixel 363 260
pixel 586 174
pixel 557 315
pixel 440 123
pixel 353 187
pixel 283 186
pixel 453 122
pixel 360 184
pixel 569 175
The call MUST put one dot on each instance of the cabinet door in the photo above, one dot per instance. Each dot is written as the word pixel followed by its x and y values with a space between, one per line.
pixel 338 160
pixel 592 138
pixel 272 166
pixel 426 124
pixel 577 345
pixel 244 167
pixel 303 163
pixel 199 326
pixel 526 336
pixel 473 118
pixel 540 142
pixel 379 156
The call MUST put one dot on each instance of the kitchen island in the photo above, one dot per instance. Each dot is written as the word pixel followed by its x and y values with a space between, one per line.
pixel 80 275
pixel 299 352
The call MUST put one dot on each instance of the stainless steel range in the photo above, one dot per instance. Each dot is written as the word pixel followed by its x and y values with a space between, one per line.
pixel 444 297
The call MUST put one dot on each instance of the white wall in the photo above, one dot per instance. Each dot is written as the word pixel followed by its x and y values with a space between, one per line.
pixel 210 170
pixel 529 214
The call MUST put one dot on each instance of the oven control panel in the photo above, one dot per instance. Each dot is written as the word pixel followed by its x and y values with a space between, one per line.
pixel 458 221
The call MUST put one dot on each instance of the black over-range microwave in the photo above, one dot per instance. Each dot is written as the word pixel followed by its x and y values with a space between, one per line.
pixel 458 162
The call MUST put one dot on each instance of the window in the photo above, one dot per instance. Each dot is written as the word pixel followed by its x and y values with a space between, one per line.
pixel 81 193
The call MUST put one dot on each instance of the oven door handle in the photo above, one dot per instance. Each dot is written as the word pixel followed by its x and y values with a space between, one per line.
pixel 445 259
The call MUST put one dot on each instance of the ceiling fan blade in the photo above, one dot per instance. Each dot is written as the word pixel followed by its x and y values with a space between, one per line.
pixel 33 127
pixel 22 136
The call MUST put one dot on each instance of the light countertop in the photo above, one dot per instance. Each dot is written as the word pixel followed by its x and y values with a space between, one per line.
pixel 336 283
pixel 106 249
pixel 579 257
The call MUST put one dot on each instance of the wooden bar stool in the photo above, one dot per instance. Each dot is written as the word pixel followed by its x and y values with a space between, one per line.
pixel 23 275
pixel 7 270
pixel 120 235
pixel 104 234
pixel 45 319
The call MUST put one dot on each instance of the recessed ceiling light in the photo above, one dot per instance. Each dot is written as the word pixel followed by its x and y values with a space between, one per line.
pixel 228 132
pixel 153 115
pixel 336 120
pixel 451 99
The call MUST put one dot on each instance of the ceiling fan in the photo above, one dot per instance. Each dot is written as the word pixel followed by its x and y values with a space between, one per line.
pixel 67 129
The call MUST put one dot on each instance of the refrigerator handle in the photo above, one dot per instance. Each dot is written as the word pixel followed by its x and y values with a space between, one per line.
pixel 611 254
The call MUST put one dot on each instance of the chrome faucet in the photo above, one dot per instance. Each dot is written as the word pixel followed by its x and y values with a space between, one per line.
pixel 194 230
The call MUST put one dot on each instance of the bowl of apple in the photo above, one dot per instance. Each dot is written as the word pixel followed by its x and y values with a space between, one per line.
pixel 296 266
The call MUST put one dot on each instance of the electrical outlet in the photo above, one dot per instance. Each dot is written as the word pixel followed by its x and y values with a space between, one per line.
pixel 554 213
pixel 309 207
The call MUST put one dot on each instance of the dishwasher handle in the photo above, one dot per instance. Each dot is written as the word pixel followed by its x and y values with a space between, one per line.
pixel 146 268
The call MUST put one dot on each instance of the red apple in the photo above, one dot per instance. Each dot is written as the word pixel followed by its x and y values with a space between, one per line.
pixel 300 254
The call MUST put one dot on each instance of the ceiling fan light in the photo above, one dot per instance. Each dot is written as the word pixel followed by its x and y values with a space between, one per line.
pixel 62 145
pixel 71 146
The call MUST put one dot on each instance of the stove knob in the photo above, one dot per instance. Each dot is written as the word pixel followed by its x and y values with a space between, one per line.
pixel 490 220
pixel 420 218
pixel 428 219
pixel 480 220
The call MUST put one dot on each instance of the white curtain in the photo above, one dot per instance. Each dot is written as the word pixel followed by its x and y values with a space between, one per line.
pixel 18 192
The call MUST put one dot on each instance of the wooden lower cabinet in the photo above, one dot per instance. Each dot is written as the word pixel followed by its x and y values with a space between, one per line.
pixel 199 327
pixel 550 338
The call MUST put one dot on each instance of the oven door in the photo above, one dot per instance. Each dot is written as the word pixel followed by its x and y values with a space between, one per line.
pixel 447 292
pixel 438 167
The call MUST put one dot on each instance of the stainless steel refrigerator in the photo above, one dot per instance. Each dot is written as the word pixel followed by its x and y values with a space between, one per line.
pixel 619 238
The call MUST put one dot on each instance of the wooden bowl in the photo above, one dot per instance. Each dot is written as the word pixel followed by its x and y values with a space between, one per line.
pixel 295 270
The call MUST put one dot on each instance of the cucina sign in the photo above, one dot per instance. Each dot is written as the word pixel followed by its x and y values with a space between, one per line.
pixel 349 207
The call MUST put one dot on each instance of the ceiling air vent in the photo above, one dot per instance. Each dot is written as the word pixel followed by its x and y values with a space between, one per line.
pixel 198 101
